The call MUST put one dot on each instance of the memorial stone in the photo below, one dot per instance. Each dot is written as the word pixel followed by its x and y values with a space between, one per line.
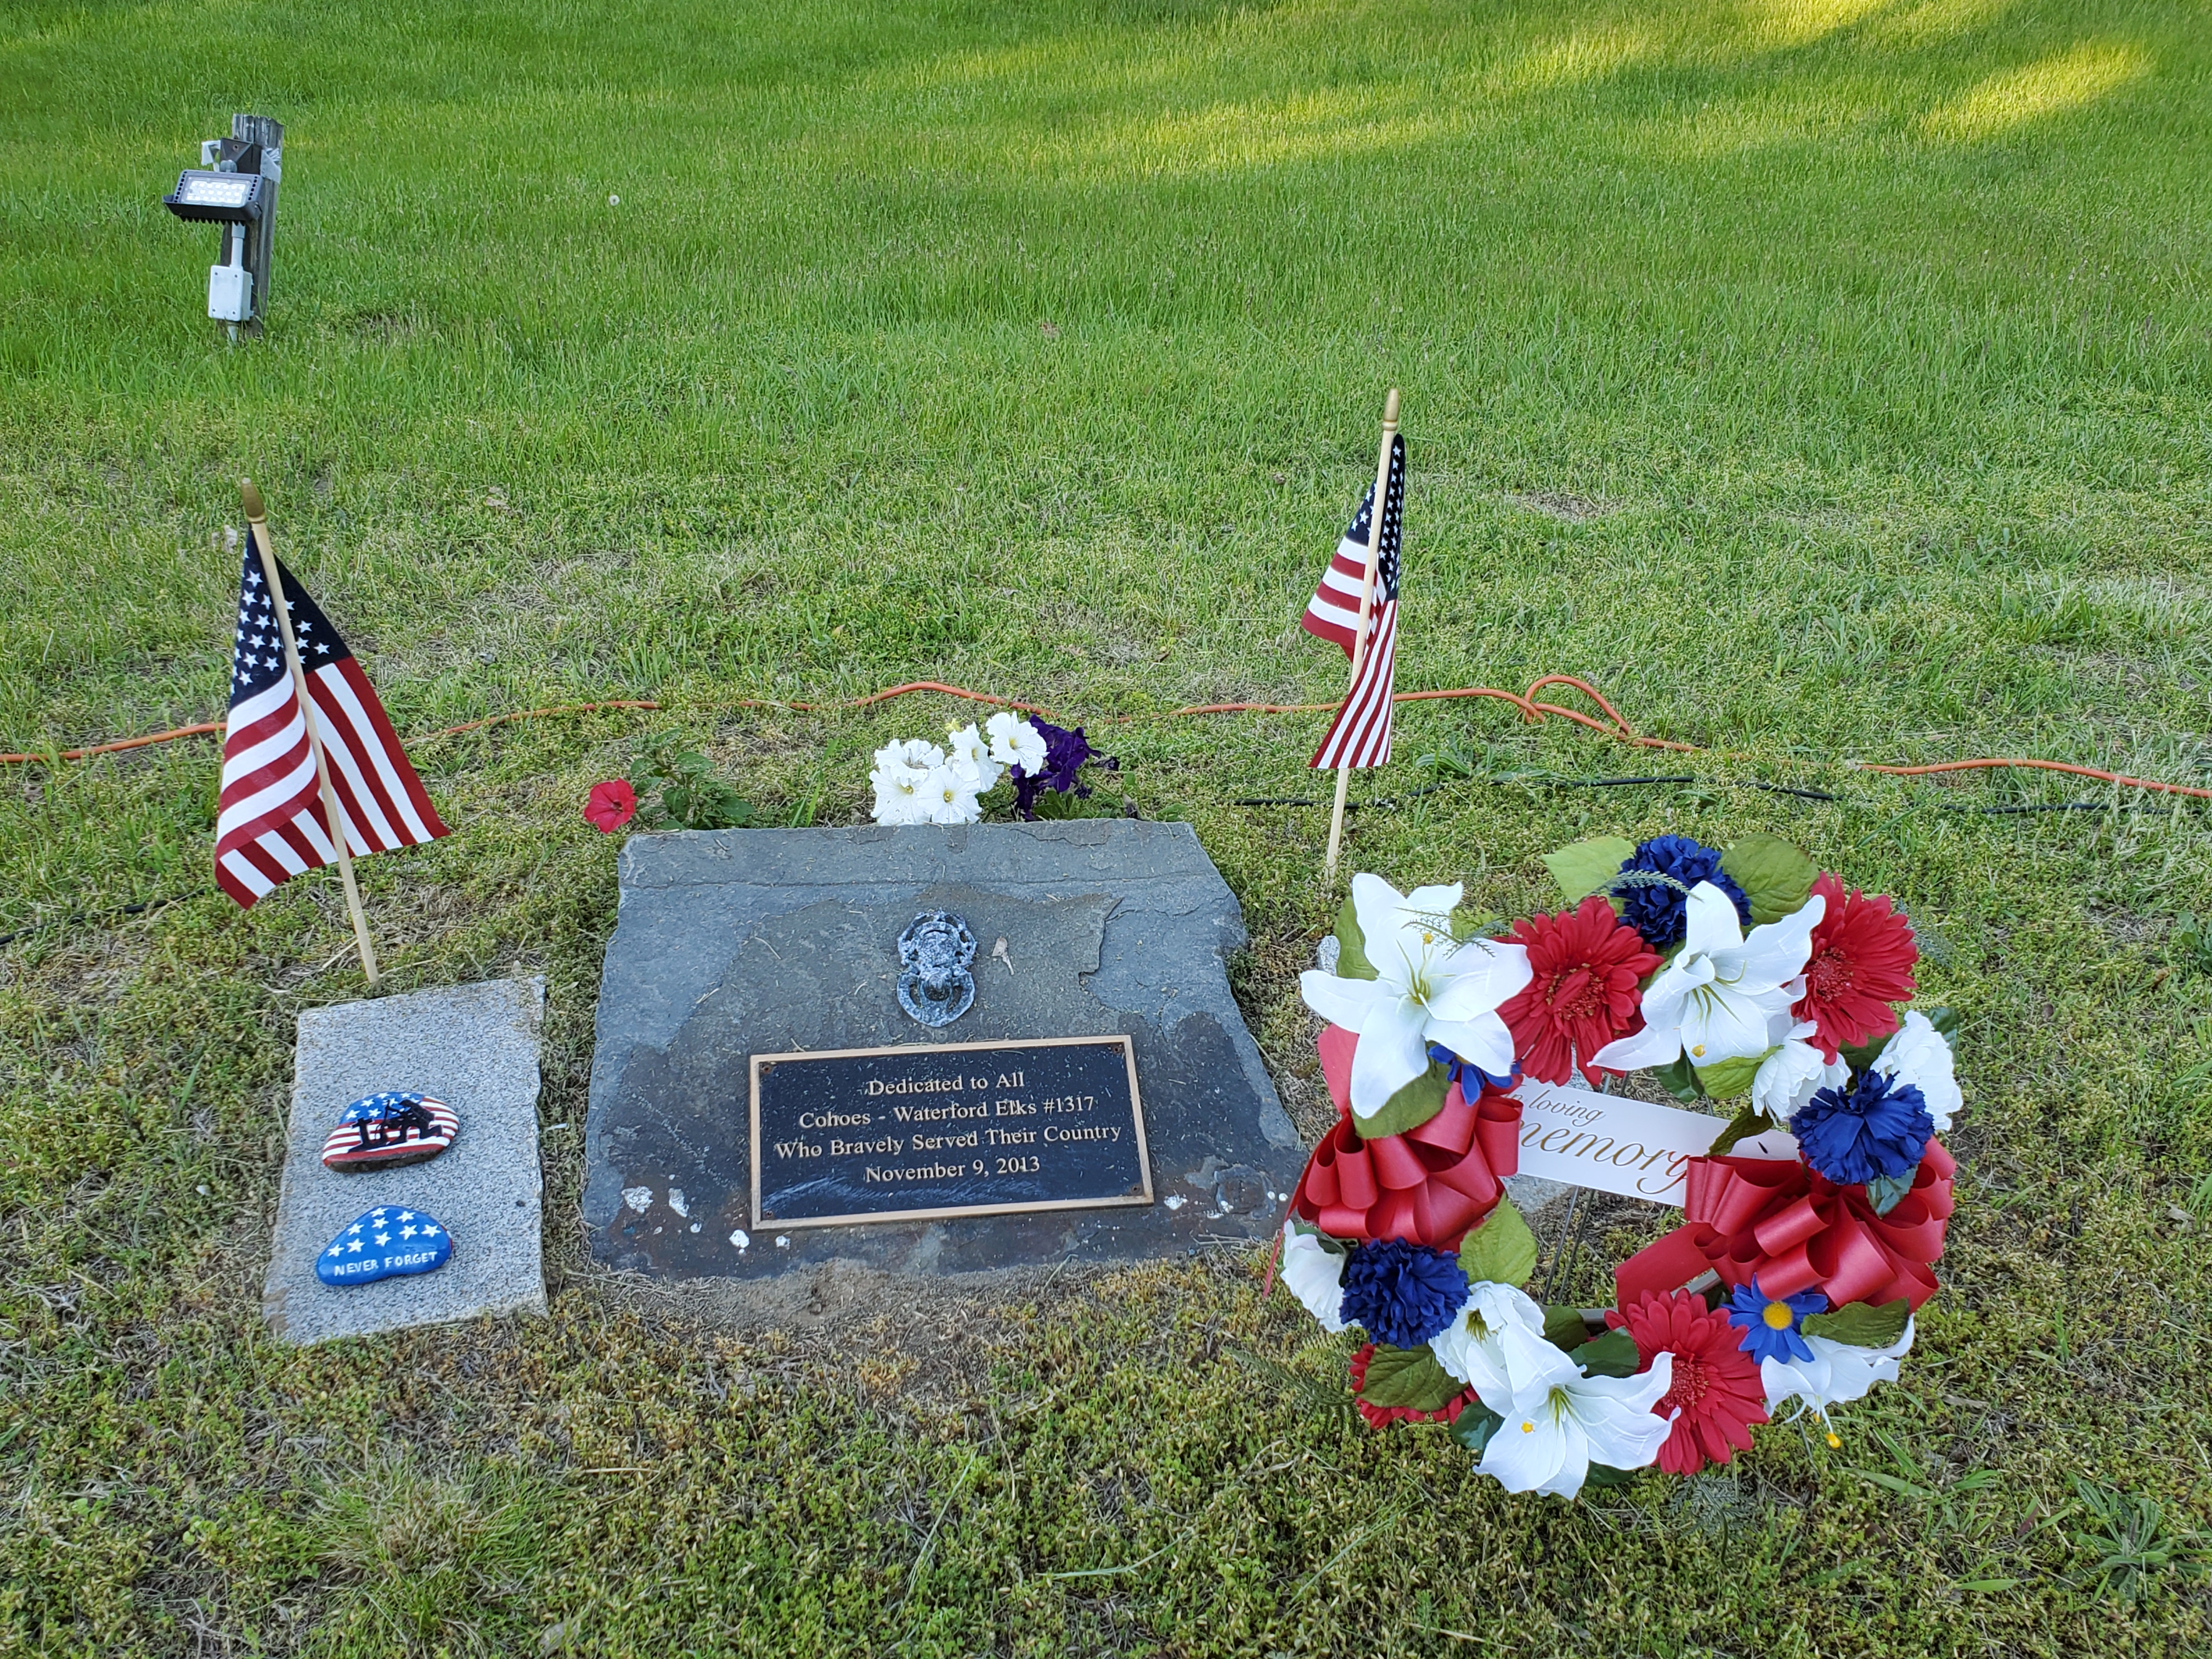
pixel 966 1049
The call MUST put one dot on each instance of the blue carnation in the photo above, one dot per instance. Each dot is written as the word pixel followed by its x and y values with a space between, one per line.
pixel 1402 1294
pixel 1654 908
pixel 1878 1126
pixel 1770 1324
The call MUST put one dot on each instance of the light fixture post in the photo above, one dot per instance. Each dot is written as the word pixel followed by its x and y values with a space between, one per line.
pixel 267 135
pixel 235 186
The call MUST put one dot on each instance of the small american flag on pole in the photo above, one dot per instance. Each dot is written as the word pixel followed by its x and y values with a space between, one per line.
pixel 271 823
pixel 1360 733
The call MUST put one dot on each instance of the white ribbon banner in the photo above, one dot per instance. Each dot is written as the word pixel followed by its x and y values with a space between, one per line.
pixel 1610 1143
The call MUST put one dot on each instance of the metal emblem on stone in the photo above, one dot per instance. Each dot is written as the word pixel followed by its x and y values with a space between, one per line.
pixel 936 951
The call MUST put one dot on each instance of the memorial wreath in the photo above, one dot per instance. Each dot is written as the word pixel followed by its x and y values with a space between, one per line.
pixel 1811 1223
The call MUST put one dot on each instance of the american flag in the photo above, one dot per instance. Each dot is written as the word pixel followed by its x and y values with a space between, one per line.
pixel 270 824
pixel 1360 733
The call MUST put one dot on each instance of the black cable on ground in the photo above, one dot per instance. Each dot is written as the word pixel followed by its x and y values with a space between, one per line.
pixel 76 916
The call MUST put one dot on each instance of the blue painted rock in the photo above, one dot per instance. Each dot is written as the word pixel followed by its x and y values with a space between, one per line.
pixel 384 1131
pixel 383 1244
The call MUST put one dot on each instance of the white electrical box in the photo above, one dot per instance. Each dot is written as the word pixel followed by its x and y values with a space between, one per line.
pixel 230 293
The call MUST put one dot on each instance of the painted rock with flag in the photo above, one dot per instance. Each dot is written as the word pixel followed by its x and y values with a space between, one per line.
pixel 385 1243
pixel 384 1131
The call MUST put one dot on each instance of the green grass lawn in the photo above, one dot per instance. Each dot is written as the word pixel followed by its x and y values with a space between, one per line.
pixel 1825 379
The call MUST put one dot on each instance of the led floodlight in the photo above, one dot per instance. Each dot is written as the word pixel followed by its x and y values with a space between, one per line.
pixel 231 198
pixel 234 188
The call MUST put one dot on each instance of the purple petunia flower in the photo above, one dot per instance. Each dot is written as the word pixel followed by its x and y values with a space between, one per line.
pixel 1066 754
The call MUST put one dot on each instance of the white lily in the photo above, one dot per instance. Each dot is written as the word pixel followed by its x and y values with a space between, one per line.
pixel 968 754
pixel 1718 999
pixel 1560 1422
pixel 1015 742
pixel 1315 1276
pixel 1496 1343
pixel 1837 1372
pixel 1428 988
pixel 1794 1073
pixel 1919 1055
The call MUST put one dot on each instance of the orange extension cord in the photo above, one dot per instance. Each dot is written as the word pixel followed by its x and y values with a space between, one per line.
pixel 1613 726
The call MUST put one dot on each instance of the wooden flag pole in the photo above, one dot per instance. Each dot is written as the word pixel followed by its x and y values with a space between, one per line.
pixel 257 526
pixel 1366 608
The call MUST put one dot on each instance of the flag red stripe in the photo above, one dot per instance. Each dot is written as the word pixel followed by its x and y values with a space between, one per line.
pixel 1360 733
pixel 379 797
pixel 394 750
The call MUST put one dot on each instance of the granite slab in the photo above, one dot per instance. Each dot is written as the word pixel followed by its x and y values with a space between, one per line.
pixel 474 1046
pixel 729 944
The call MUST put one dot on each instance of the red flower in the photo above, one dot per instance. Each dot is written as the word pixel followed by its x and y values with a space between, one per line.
pixel 612 804
pixel 1862 962
pixel 1715 1383
pixel 1584 966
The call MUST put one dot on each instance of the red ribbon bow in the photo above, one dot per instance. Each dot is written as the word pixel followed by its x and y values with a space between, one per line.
pixel 1796 1230
pixel 1427 1186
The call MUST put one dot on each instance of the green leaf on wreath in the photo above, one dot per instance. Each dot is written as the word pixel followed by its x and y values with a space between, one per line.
pixel 1565 1327
pixel 1475 1426
pixel 1604 1475
pixel 1861 1056
pixel 1613 1354
pixel 1305 1229
pixel 1861 1324
pixel 1351 960
pixel 1775 876
pixel 1409 1378
pixel 1886 1193
pixel 1724 1079
pixel 1945 1020
pixel 1500 1249
pixel 1587 866
pixel 1742 1127
pixel 1680 1078
pixel 1410 1108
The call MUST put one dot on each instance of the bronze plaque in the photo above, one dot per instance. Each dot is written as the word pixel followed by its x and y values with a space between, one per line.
pixel 919 1133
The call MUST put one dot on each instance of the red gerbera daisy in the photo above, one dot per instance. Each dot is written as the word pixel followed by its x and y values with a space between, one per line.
pixel 1584 967
pixel 1715 1383
pixel 1862 962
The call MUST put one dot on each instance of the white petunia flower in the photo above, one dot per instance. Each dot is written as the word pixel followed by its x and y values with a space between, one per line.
pixel 1494 1344
pixel 1428 988
pixel 1794 1073
pixel 1015 742
pixel 1718 998
pixel 1919 1055
pixel 949 798
pixel 898 786
pixel 1558 1422
pixel 919 752
pixel 968 754
pixel 1837 1372
pixel 1315 1276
